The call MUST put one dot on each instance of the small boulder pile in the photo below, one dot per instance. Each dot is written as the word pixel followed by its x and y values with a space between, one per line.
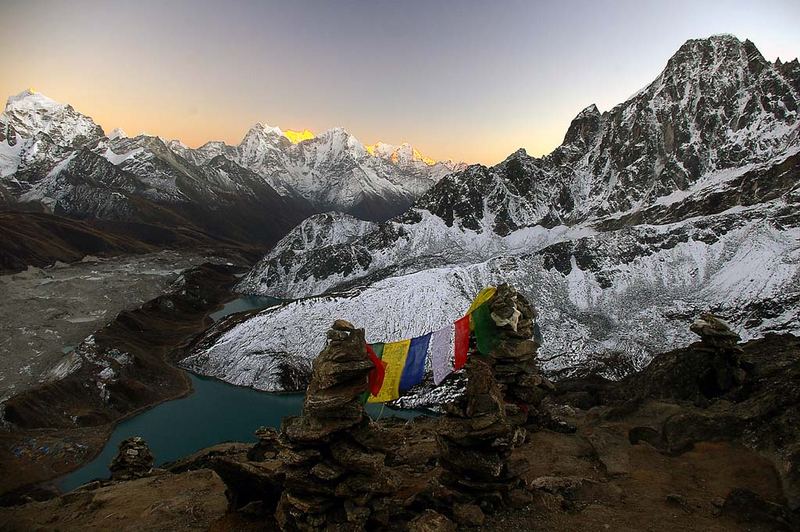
pixel 724 366
pixel 133 460
pixel 700 373
pixel 475 440
pixel 514 357
pixel 332 479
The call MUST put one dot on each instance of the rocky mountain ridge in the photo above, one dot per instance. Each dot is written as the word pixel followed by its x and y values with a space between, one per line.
pixel 333 170
pixel 681 199
pixel 57 160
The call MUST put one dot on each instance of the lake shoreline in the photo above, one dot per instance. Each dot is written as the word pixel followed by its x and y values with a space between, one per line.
pixel 44 444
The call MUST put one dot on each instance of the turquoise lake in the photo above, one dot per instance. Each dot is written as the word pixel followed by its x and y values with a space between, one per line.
pixel 215 412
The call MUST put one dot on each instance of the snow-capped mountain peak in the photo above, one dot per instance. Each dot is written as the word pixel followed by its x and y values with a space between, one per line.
pixel 403 155
pixel 263 134
pixel 682 199
pixel 32 99
pixel 334 143
pixel 119 133
pixel 31 112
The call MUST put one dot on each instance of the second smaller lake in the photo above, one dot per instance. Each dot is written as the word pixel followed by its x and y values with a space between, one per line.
pixel 243 303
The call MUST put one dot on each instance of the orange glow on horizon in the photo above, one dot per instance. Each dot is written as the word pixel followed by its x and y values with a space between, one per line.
pixel 170 119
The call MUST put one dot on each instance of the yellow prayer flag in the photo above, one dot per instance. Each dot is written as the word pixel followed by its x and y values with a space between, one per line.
pixel 483 296
pixel 394 355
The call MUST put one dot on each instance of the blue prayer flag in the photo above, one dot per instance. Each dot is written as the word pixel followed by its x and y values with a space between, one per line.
pixel 414 370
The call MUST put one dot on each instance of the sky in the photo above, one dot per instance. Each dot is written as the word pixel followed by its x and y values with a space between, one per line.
pixel 464 80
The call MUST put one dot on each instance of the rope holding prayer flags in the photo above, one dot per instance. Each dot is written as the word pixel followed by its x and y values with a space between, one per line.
pixel 394 355
pixel 414 370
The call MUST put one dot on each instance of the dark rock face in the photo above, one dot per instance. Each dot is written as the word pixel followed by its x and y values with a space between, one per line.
pixel 748 507
pixel 747 393
pixel 332 477
pixel 134 460
pixel 475 440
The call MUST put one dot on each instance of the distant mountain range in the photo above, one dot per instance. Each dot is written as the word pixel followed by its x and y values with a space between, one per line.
pixel 55 159
pixel 684 198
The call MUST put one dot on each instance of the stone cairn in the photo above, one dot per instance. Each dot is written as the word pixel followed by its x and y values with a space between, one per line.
pixel 475 440
pixel 133 460
pixel 724 363
pixel 332 480
pixel 514 358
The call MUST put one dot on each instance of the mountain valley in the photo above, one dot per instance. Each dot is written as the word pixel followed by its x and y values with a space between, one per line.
pixel 674 214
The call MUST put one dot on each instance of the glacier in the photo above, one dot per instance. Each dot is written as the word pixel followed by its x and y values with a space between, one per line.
pixel 682 199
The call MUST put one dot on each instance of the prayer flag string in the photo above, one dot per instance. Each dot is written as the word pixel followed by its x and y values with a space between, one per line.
pixel 400 365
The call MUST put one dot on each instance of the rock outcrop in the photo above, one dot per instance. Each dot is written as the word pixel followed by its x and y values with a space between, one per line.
pixel 711 391
pixel 331 478
pixel 134 460
pixel 710 369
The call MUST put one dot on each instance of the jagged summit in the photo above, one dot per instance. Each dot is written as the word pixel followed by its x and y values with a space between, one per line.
pixel 329 171
pixel 404 154
pixel 588 111
pixel 584 126
pixel 680 199
pixel 262 131
pixel 31 97
pixel 119 133
pixel 31 112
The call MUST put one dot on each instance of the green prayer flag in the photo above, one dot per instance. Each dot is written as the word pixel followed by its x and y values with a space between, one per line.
pixel 485 329
pixel 378 348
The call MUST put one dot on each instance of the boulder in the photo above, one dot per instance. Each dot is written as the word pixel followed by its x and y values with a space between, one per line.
pixel 431 521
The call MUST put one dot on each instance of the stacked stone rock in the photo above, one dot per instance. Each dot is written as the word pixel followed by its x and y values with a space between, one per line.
pixel 514 358
pixel 724 355
pixel 475 440
pixel 331 478
pixel 133 460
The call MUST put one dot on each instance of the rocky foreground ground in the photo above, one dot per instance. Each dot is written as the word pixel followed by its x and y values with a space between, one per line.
pixel 705 438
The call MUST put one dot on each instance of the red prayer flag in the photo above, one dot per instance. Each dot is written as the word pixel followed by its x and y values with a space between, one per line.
pixel 377 373
pixel 461 343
